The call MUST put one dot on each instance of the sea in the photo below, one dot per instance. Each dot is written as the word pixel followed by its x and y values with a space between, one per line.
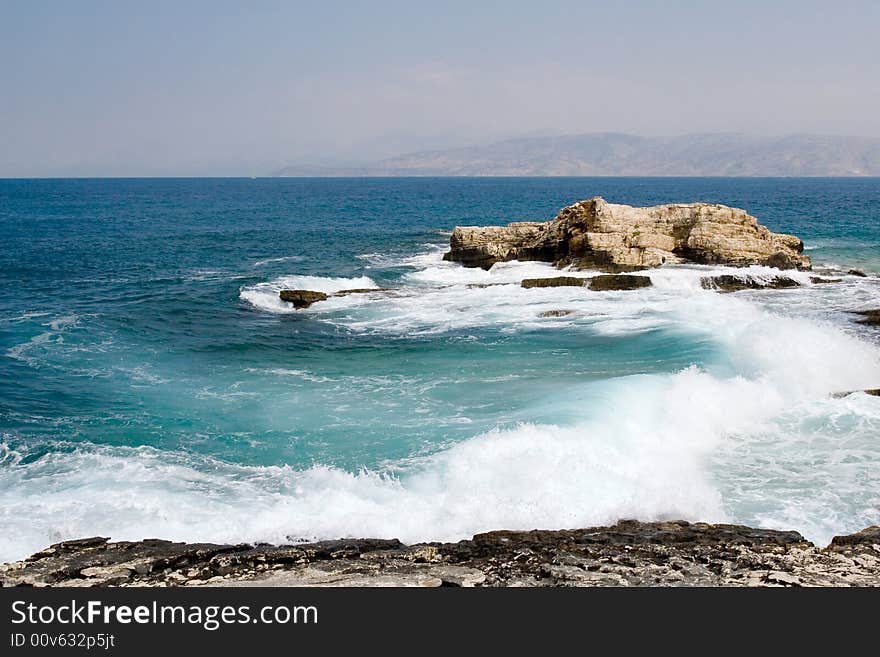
pixel 152 383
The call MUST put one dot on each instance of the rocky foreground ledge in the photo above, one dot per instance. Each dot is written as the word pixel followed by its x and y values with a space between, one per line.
pixel 629 553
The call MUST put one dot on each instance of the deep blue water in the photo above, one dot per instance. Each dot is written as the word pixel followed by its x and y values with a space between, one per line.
pixel 148 385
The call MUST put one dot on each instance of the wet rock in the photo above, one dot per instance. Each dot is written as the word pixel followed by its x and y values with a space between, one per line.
pixel 869 317
pixel 731 283
pixel 595 234
pixel 558 281
pixel 555 313
pixel 857 272
pixel 818 280
pixel 874 392
pixel 870 536
pixel 783 260
pixel 302 298
pixel 359 290
pixel 606 282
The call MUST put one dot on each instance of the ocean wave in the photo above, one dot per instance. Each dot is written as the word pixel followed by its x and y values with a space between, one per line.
pixel 743 446
pixel 269 261
pixel 753 437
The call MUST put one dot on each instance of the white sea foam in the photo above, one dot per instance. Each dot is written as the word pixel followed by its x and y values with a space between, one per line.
pixel 763 444
pixel 656 446
pixel 753 438
pixel 268 261
pixel 23 317
pixel 30 350
pixel 287 372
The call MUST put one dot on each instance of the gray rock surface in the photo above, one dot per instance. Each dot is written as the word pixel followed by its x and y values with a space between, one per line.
pixel 630 553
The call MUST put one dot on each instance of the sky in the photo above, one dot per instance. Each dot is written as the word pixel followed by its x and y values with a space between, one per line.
pixel 243 88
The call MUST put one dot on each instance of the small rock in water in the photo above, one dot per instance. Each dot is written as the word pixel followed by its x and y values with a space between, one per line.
pixel 302 298
pixel 557 281
pixel 817 280
pixel 730 283
pixel 359 290
pixel 874 392
pixel 857 272
pixel 555 313
pixel 607 282
pixel 871 317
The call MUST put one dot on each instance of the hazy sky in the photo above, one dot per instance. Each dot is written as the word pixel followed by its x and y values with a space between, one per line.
pixel 229 88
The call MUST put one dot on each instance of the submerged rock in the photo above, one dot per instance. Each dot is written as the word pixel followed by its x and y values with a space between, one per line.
pixel 857 272
pixel 558 281
pixel 630 553
pixel 359 290
pixel 869 317
pixel 555 313
pixel 874 392
pixel 595 234
pixel 599 283
pixel 618 282
pixel 730 283
pixel 302 298
pixel 818 280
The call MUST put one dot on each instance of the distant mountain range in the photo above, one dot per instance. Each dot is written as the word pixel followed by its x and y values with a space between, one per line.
pixel 612 154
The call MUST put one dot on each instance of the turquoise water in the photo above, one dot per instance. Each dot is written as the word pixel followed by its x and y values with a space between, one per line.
pixel 152 384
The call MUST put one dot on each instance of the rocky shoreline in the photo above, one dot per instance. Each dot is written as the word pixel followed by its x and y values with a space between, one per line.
pixel 630 553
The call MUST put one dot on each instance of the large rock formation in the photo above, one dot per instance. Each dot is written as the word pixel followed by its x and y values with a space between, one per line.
pixel 629 553
pixel 595 234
